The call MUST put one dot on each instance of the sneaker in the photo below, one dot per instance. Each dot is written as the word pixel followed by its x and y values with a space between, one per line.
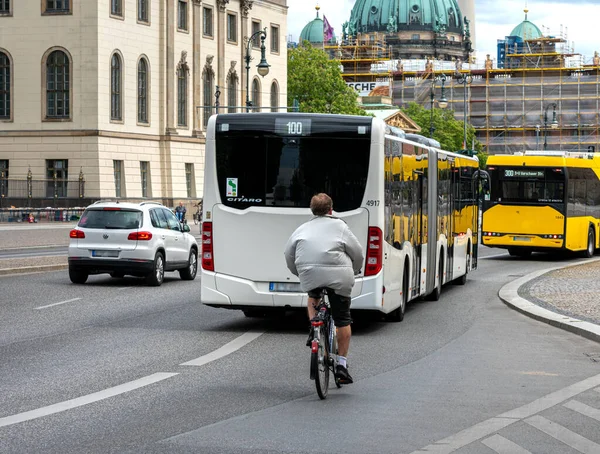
pixel 342 374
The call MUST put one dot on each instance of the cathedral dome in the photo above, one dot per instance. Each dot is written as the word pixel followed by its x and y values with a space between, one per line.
pixel 313 32
pixel 526 29
pixel 405 15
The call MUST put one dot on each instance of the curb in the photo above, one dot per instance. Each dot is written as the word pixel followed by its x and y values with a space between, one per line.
pixel 510 296
pixel 34 269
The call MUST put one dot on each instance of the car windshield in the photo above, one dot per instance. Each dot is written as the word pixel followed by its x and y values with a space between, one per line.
pixel 103 218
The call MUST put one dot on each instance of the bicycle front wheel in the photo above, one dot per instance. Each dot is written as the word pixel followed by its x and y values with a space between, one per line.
pixel 320 363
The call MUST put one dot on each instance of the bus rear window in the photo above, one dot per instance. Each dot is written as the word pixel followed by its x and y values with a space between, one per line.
pixel 262 169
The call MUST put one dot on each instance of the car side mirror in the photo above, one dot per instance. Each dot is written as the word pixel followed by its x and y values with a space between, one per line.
pixel 186 228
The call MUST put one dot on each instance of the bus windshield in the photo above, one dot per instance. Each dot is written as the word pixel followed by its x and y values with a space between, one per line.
pixel 276 165
pixel 534 185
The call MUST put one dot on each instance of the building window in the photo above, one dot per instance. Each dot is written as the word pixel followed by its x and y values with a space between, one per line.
pixel 255 29
pixel 5 87
pixel 145 178
pixel 232 93
pixel 3 177
pixel 207 22
pixel 118 172
pixel 57 6
pixel 57 174
pixel 209 81
pixel 182 15
pixel 58 75
pixel 5 7
pixel 143 11
pixel 116 7
pixel 232 28
pixel 189 180
pixel 182 95
pixel 275 39
pixel 115 88
pixel 256 93
pixel 143 91
pixel 274 97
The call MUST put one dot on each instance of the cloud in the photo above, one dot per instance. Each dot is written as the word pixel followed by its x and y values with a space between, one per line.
pixel 574 20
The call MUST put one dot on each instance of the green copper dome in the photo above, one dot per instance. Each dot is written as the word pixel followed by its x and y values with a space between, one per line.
pixel 392 16
pixel 526 29
pixel 313 31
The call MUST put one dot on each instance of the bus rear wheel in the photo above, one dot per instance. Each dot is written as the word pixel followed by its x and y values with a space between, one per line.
pixel 591 246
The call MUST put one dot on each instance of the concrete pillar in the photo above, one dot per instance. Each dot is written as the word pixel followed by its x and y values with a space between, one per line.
pixel 245 7
pixel 197 68
pixel 170 68
pixel 221 39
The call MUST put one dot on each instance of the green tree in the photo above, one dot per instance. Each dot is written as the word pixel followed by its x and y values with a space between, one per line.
pixel 449 131
pixel 316 82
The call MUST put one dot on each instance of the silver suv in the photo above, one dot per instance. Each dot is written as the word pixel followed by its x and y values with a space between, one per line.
pixel 138 239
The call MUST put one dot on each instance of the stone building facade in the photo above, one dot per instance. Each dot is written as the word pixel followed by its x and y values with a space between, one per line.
pixel 116 89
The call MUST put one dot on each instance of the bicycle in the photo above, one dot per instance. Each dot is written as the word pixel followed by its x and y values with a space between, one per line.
pixel 197 216
pixel 324 347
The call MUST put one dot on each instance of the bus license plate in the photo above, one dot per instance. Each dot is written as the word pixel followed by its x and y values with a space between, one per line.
pixel 285 287
pixel 105 253
pixel 521 238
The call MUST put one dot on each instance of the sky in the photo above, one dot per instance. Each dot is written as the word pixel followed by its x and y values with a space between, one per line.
pixel 574 20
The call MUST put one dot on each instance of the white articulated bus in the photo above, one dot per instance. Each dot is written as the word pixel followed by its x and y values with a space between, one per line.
pixel 411 205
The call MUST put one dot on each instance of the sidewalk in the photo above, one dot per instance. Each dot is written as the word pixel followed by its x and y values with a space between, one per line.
pixel 564 296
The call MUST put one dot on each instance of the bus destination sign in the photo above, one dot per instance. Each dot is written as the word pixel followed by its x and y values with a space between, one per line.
pixel 292 126
pixel 519 173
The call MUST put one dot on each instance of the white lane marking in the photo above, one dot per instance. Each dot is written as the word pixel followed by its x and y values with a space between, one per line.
pixel 57 304
pixel 226 349
pixel 124 288
pixel 503 445
pixel 564 435
pixel 488 427
pixel 84 400
pixel 493 256
pixel 583 409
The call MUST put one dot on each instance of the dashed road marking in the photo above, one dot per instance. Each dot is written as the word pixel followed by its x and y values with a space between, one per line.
pixel 568 437
pixel 226 349
pixel 583 409
pixel 503 445
pixel 57 304
pixel 84 400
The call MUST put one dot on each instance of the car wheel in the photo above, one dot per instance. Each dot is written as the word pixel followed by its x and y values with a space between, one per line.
pixel 157 276
pixel 117 275
pixel 77 277
pixel 189 273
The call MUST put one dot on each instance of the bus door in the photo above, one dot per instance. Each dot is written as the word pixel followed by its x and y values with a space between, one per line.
pixel 421 211
pixel 451 228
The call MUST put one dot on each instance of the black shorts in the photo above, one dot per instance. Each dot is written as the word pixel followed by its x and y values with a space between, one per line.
pixel 340 306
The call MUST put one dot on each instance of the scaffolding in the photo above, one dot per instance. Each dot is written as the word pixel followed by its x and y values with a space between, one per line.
pixel 506 106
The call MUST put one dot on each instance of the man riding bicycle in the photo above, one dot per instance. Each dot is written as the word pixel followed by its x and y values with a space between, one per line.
pixel 324 253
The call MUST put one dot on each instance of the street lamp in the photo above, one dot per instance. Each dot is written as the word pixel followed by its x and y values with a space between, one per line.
pixel 465 79
pixel 443 102
pixel 553 125
pixel 263 66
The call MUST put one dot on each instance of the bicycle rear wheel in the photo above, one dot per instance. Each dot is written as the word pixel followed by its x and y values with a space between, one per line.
pixel 320 364
pixel 334 353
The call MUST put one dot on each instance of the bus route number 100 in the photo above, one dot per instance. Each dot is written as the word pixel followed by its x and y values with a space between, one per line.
pixel 294 128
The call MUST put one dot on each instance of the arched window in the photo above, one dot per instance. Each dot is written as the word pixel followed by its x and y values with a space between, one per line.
pixel 58 85
pixel 274 97
pixel 116 78
pixel 182 95
pixel 209 81
pixel 143 91
pixel 232 93
pixel 256 94
pixel 5 87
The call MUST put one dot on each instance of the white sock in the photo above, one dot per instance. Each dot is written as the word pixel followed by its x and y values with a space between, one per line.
pixel 342 361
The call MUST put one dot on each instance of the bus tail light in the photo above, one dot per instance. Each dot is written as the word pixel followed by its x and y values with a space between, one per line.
pixel 374 261
pixel 208 262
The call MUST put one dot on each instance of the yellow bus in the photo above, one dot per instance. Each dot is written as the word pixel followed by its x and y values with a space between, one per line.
pixel 543 201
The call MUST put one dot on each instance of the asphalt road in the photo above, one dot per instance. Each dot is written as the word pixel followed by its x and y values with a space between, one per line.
pixel 101 368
